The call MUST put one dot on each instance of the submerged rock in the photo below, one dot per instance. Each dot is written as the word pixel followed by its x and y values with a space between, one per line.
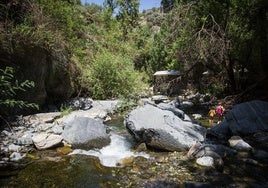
pixel 162 129
pixel 85 133
pixel 64 150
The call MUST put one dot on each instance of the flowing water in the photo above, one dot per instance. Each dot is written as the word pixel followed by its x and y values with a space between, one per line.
pixel 98 168
pixel 111 155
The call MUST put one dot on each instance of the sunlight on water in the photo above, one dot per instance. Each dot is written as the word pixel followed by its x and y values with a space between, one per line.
pixel 112 154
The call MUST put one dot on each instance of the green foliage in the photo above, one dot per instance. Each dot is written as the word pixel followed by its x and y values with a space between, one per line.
pixel 65 110
pixel 9 87
pixel 111 48
pixel 128 15
pixel 113 76
pixel 126 104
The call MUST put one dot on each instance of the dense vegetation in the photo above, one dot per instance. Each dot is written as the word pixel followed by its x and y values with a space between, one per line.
pixel 112 50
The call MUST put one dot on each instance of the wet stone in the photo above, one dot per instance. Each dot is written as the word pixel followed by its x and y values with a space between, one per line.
pixel 64 150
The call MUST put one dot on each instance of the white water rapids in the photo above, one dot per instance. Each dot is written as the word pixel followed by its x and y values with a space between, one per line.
pixel 111 155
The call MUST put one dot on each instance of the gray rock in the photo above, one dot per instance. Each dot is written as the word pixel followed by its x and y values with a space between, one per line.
pixel 45 141
pixel 169 107
pixel 43 127
pixel 239 144
pixel 209 155
pixel 162 129
pixel 3 149
pixel 15 156
pixel 85 133
pixel 244 119
pixel 195 96
pixel 7 133
pixel 159 98
pixel 99 110
pixel 186 104
pixel 42 117
pixel 26 139
pixel 209 161
pixel 213 150
pixel 57 129
pixel 14 147
pixel 19 128
pixel 205 161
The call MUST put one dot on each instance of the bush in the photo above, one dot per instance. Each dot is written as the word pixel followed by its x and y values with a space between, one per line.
pixel 113 76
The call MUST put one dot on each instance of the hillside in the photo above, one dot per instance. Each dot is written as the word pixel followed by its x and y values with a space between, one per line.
pixel 69 50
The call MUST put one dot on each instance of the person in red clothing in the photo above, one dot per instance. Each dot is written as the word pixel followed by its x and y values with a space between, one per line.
pixel 219 111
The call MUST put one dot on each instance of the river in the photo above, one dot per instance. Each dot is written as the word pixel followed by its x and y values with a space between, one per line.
pixel 100 168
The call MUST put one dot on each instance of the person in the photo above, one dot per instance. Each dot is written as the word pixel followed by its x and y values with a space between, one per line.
pixel 219 111
pixel 211 115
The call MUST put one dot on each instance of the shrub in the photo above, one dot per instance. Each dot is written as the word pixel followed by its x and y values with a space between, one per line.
pixel 113 76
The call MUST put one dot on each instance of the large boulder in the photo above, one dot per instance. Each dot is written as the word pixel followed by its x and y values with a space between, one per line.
pixel 85 133
pixel 244 119
pixel 162 129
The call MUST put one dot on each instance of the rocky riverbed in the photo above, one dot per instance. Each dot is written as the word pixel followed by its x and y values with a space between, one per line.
pixel 29 150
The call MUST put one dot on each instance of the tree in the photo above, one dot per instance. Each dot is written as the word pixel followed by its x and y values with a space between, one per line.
pixel 111 5
pixel 167 5
pixel 226 37
pixel 128 15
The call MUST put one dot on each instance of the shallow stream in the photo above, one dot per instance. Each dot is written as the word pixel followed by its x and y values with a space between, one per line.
pixel 117 165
